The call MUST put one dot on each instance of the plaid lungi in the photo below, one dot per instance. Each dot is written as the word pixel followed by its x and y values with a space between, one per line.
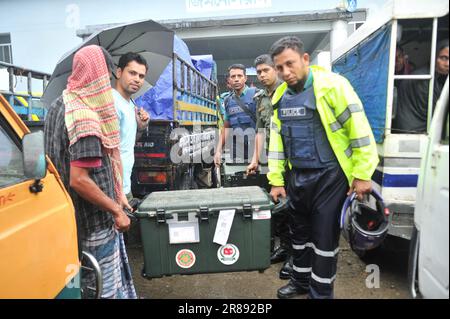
pixel 108 247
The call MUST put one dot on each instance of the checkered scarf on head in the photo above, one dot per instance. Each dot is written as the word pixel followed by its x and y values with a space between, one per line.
pixel 90 107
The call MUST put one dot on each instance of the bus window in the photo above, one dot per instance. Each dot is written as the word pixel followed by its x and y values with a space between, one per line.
pixel 413 73
pixel 403 64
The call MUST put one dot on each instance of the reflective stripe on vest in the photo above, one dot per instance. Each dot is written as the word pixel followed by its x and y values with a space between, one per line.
pixel 276 156
pixel 345 116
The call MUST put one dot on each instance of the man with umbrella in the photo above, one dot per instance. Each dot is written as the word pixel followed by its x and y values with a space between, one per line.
pixel 82 139
pixel 99 215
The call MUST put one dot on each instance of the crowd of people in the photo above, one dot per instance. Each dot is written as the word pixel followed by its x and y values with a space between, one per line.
pixel 308 121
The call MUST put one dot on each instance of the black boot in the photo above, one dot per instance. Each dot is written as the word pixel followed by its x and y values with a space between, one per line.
pixel 290 291
pixel 280 254
pixel 286 270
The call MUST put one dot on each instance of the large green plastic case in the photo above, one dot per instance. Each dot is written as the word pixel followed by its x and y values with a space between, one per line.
pixel 178 229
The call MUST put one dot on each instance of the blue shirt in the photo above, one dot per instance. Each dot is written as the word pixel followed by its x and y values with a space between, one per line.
pixel 222 98
pixel 128 129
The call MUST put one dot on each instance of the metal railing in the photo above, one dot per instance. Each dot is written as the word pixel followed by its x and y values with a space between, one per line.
pixel 194 95
pixel 91 267
pixel 29 96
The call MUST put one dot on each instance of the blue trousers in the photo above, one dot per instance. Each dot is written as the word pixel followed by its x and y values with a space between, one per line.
pixel 316 198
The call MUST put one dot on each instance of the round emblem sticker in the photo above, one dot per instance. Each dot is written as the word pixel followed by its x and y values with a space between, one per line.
pixel 185 258
pixel 228 254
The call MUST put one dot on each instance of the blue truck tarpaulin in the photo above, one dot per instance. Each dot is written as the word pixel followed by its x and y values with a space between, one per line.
pixel 367 67
pixel 204 63
pixel 158 101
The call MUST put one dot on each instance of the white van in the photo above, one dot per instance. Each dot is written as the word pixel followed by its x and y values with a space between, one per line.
pixel 429 263
pixel 368 60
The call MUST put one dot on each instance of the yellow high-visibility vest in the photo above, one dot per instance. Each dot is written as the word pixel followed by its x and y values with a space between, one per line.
pixel 345 124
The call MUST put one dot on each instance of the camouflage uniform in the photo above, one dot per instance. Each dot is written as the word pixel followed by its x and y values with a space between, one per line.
pixel 264 111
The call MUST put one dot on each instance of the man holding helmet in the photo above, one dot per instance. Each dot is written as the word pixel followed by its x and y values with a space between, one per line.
pixel 320 129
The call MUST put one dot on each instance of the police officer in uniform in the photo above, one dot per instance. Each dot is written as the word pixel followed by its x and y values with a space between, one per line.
pixel 240 116
pixel 268 77
pixel 320 130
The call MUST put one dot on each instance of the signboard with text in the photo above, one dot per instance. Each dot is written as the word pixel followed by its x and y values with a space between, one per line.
pixel 221 5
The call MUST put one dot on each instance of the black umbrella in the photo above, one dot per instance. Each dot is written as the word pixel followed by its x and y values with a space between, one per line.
pixel 148 38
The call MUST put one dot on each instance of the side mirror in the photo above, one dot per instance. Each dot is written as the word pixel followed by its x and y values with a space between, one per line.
pixel 35 163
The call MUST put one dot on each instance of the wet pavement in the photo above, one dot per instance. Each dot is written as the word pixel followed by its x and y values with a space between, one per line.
pixel 356 279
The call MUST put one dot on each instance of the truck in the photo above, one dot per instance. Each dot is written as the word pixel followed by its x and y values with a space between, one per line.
pixel 428 263
pixel 176 150
pixel 38 232
pixel 17 84
pixel 367 59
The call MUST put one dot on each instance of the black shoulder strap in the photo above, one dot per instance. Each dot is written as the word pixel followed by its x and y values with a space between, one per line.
pixel 134 103
pixel 226 99
pixel 244 107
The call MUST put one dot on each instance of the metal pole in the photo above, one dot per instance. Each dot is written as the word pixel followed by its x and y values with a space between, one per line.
pixel 182 80
pixel 432 72
pixel 390 88
pixel 11 86
pixel 44 83
pixel 30 95
pixel 189 82
pixel 175 86
pixel 413 77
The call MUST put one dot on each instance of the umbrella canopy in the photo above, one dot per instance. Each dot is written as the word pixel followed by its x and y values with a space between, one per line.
pixel 148 38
